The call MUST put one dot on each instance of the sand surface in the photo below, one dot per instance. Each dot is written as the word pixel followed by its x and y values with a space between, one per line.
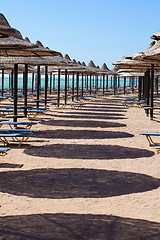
pixel 83 165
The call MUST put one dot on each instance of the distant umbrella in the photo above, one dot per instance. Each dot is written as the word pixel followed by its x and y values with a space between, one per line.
pixel 66 56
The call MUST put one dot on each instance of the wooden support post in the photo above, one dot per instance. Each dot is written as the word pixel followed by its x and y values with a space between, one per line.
pixel 58 90
pixel 46 86
pixel 77 85
pixel 152 90
pixel 53 81
pixel 38 84
pixel 32 82
pixel 115 84
pixel 15 91
pixel 90 83
pixel 139 87
pixel 82 84
pixel 12 82
pixel 50 87
pixel 65 88
pixel 25 89
pixel 2 82
pixel 157 85
pixel 107 83
pixel 124 85
pixel 103 82
pixel 73 86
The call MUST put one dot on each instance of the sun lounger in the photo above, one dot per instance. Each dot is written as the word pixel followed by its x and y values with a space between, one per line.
pixel 15 136
pixel 157 148
pixel 72 105
pixel 30 113
pixel 149 136
pixel 3 151
pixel 27 125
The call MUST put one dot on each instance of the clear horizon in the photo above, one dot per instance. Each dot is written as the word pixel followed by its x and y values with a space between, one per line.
pixel 98 30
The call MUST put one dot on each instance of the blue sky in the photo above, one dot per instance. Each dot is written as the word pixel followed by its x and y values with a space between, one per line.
pixel 101 30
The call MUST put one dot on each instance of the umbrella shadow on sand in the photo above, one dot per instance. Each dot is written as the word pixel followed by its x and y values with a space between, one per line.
pixel 88 152
pixel 10 165
pixel 77 227
pixel 74 183
pixel 83 123
pixel 85 116
pixel 81 134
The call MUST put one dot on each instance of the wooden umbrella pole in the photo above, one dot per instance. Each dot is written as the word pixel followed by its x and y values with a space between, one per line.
pixel 32 82
pixel 38 85
pixel 77 85
pixel 58 90
pixel 73 86
pixel 152 90
pixel 46 85
pixel 139 87
pixel 107 83
pixel 2 82
pixel 65 90
pixel 103 82
pixel 90 83
pixel 82 84
pixel 15 90
pixel 124 85
pixel 25 89
pixel 50 83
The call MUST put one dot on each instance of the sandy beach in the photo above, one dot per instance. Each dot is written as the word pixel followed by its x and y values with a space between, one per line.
pixel 87 174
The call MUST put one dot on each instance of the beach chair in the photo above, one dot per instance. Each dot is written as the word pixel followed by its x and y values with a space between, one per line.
pixel 157 148
pixel 15 137
pixel 19 130
pixel 3 151
pixel 34 112
pixel 27 125
pixel 149 136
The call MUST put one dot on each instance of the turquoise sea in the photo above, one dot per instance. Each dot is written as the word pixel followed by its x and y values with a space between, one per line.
pixel 20 82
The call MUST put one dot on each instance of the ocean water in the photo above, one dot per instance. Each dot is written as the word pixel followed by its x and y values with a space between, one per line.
pixel 62 84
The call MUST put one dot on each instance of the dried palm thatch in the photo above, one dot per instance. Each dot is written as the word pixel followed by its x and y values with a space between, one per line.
pixel 91 64
pixel 27 39
pixel 66 56
pixel 104 67
pixel 5 28
pixel 156 36
pixel 133 64
pixel 74 61
pixel 151 54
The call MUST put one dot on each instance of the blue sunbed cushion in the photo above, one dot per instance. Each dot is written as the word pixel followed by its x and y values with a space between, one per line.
pixel 150 133
pixel 4 149
pixel 15 134
pixel 19 123
pixel 18 130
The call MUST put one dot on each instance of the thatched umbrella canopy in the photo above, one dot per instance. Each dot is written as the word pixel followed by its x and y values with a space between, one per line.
pixel 5 28
pixel 133 64
pixel 66 56
pixel 151 54
pixel 104 67
pixel 91 64
pixel 27 39
pixel 83 64
pixel 74 61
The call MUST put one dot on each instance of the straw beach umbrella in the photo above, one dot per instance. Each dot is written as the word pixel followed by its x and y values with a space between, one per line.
pixel 15 50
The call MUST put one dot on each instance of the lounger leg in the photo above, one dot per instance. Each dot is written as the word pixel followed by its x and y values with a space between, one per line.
pixel 20 142
pixel 3 142
pixel 151 142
